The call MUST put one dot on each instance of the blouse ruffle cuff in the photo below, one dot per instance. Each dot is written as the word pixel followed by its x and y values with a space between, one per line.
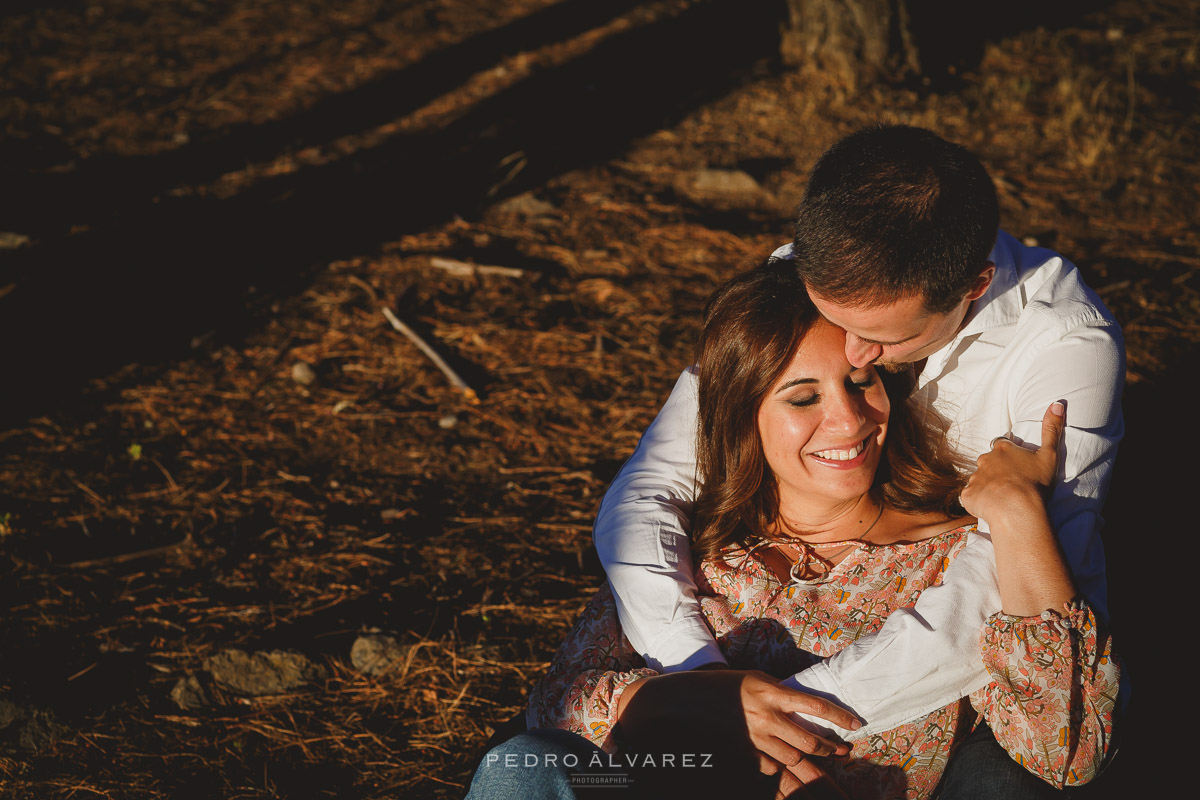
pixel 1076 614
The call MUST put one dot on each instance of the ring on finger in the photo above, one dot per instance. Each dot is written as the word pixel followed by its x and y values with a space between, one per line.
pixel 992 444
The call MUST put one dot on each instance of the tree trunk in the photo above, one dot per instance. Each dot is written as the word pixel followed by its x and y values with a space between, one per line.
pixel 857 40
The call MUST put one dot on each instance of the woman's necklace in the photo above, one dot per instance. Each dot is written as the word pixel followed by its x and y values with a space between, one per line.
pixel 807 564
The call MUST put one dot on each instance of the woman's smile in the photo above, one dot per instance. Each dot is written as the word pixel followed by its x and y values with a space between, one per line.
pixel 844 458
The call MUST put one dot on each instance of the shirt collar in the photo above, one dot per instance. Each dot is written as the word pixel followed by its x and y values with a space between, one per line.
pixel 999 305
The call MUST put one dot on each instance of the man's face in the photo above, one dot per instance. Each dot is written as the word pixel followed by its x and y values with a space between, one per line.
pixel 899 332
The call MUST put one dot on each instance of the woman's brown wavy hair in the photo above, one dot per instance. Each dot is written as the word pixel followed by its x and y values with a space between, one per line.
pixel 753 325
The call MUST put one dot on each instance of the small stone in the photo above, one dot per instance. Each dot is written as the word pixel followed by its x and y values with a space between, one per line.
pixel 447 422
pixel 9 713
pixel 720 188
pixel 41 731
pixel 266 672
pixel 525 205
pixel 376 654
pixel 11 241
pixel 188 694
pixel 303 374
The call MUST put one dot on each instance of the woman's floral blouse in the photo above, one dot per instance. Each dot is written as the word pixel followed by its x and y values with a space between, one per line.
pixel 1050 703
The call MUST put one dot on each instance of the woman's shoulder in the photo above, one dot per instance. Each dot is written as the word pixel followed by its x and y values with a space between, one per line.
pixel 904 527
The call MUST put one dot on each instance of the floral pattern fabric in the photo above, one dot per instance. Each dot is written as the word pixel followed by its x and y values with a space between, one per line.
pixel 1050 702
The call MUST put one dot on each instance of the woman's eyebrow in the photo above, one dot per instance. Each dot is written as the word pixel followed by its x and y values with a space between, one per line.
pixel 795 382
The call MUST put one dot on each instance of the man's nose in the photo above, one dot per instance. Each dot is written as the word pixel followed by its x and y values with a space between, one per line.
pixel 860 353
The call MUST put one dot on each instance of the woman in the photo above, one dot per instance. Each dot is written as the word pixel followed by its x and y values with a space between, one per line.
pixel 826 505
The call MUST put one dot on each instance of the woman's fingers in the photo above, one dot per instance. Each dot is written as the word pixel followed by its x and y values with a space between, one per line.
pixel 807 742
pixel 789 784
pixel 1053 422
pixel 768 765
pixel 807 780
pixel 1009 474
pixel 783 753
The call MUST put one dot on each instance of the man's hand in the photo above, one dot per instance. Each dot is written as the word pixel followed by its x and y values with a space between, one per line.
pixel 1008 473
pixel 768 708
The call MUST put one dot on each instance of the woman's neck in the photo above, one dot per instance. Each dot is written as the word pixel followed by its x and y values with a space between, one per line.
pixel 833 523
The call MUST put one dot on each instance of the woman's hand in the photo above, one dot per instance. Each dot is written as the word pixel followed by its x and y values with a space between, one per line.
pixel 805 780
pixel 722 703
pixel 1008 493
pixel 1009 474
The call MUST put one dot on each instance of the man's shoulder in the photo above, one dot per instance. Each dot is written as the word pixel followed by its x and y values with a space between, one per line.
pixel 1053 291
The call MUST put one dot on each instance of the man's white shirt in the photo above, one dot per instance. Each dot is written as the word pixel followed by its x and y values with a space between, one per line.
pixel 1036 336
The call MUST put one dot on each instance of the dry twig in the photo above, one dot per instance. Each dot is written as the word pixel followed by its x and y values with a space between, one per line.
pixel 455 267
pixel 437 360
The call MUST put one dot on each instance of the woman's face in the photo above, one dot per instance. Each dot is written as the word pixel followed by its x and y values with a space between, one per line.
pixel 823 424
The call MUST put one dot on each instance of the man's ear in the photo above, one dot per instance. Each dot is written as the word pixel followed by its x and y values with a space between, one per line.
pixel 982 282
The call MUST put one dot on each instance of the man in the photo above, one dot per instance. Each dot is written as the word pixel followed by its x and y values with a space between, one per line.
pixel 898 241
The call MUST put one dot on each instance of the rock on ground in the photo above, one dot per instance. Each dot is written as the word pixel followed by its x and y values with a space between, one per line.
pixel 266 672
pixel 34 729
pixel 9 713
pixel 41 731
pixel 722 189
pixel 525 205
pixel 303 373
pixel 188 694
pixel 376 655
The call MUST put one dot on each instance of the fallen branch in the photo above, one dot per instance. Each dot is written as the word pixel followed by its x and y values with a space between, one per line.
pixel 463 268
pixel 181 546
pixel 437 360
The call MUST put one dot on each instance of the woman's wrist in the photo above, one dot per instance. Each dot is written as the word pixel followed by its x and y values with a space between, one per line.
pixel 1018 511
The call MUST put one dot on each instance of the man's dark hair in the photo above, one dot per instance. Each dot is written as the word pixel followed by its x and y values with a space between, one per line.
pixel 892 211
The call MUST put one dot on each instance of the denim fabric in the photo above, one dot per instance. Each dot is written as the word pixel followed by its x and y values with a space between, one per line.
pixel 980 769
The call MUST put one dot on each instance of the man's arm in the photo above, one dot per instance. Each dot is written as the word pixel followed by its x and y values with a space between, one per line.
pixel 641 534
pixel 928 656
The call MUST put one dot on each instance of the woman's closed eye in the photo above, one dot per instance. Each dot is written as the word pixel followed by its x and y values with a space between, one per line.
pixel 804 400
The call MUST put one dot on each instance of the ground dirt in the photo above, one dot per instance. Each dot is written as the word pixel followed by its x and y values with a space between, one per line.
pixel 214 441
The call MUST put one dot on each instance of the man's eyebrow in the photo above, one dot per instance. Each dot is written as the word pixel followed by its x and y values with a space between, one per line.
pixel 886 344
pixel 795 382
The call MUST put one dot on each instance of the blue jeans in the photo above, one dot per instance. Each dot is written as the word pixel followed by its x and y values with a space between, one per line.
pixel 980 769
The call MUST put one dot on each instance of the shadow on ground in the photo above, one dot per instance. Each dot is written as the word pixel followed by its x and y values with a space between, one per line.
pixel 165 269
